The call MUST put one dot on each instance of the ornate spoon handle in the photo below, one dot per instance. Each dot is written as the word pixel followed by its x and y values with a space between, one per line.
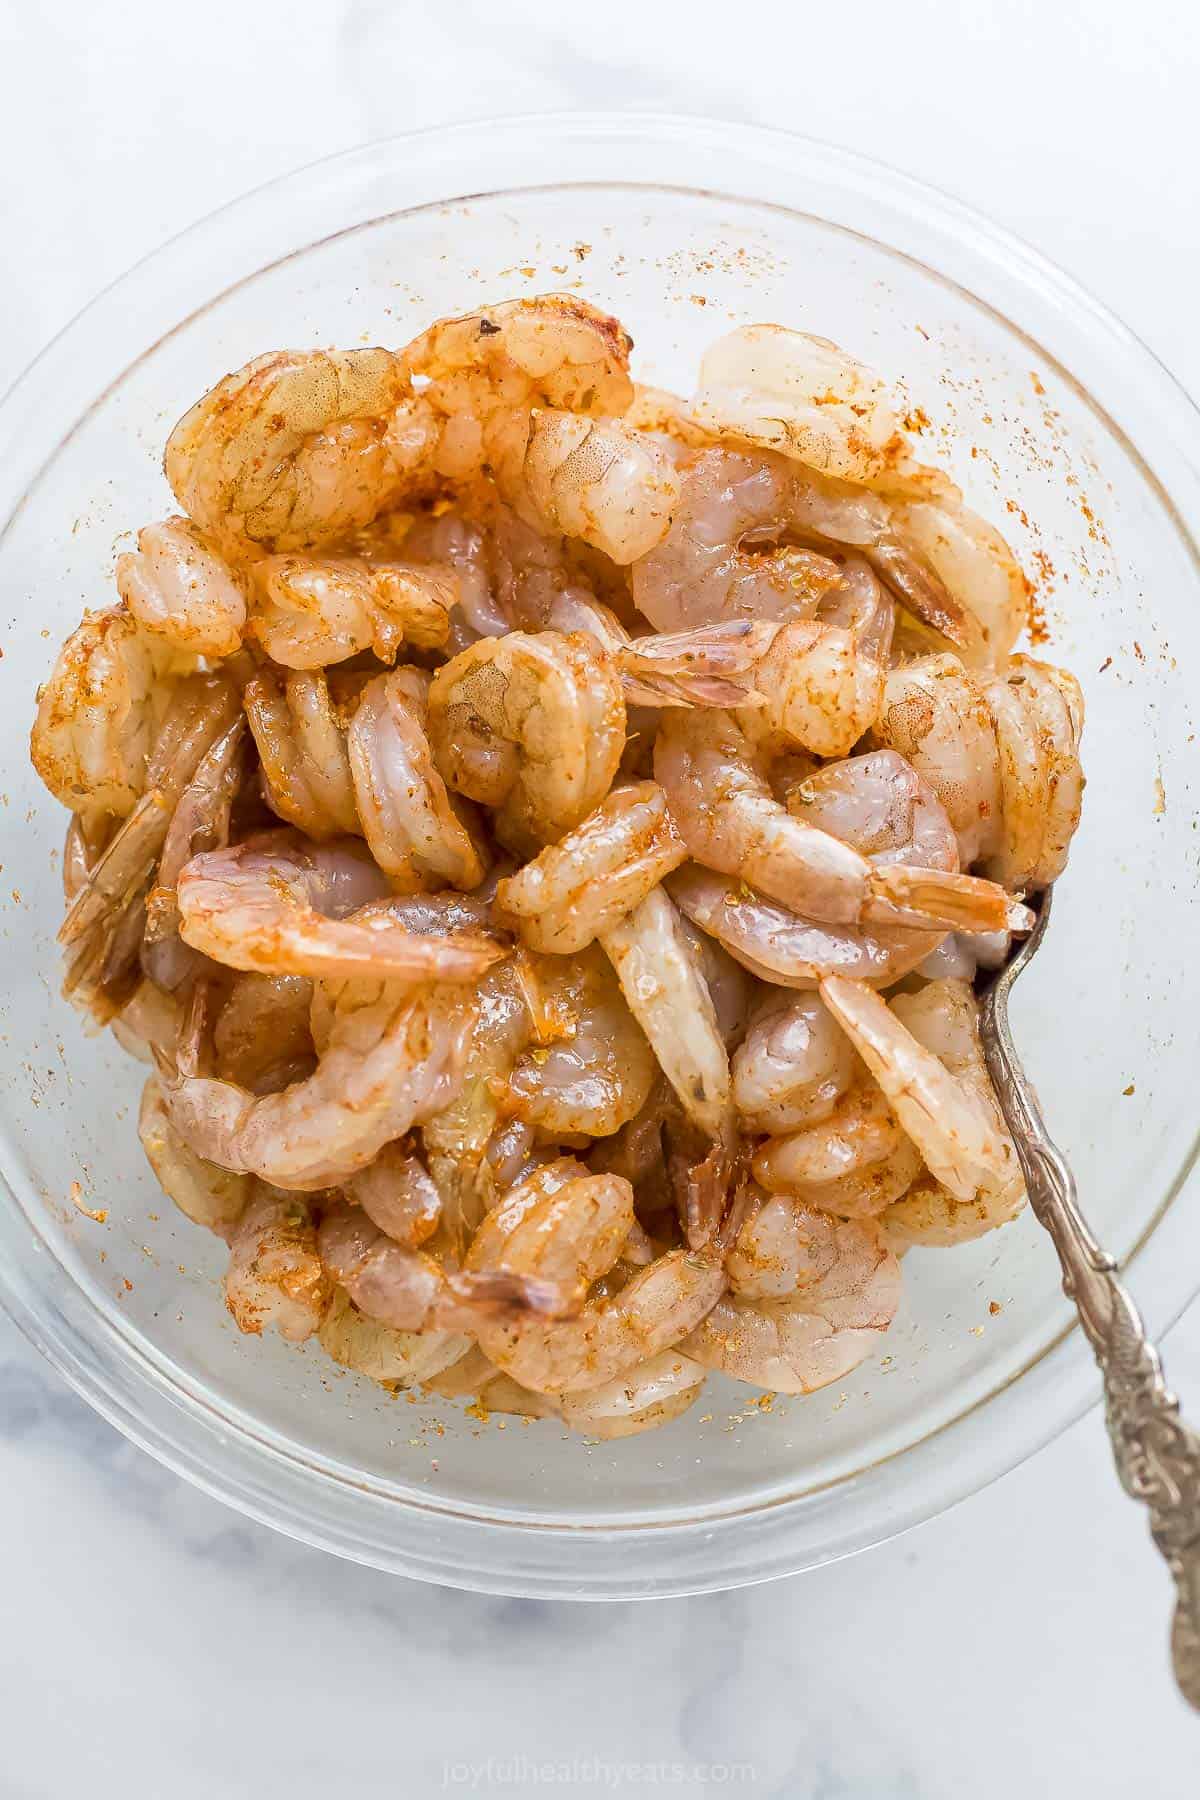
pixel 1157 1456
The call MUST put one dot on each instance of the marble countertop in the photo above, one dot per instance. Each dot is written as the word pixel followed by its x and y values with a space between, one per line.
pixel 154 1642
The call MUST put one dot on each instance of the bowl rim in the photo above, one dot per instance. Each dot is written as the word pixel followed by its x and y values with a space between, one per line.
pixel 138 1389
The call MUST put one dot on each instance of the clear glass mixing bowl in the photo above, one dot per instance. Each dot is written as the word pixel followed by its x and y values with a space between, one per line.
pixel 1060 426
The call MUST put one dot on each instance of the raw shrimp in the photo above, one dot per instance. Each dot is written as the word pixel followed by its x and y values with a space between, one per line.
pixel 975 566
pixel 412 1291
pixel 786 390
pixel 310 611
pixel 201 821
pixel 480 374
pixel 104 928
pixel 203 1193
pixel 664 986
pixel 1001 753
pixel 709 665
pixel 810 1297
pixel 382 1353
pixel 262 1039
pixel 420 835
pixel 854 1162
pixel 457 1137
pixel 391 1059
pixel 586 883
pixel 279 905
pixel 299 721
pixel 533 726
pixel 645 1397
pixel 99 714
pixel 147 1026
pixel 445 537
pixel 1037 711
pixel 275 1275
pixel 943 1101
pixel 731 822
pixel 177 585
pixel 794 1065
pixel 592 1068
pixel 294 449
pixel 820 685
pixel 591 479
pixel 712 565
pixel 398 1195
pixel 729 986
pixel 935 715
pixel 612 1334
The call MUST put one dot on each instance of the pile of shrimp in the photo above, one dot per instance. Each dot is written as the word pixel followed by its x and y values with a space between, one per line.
pixel 542 833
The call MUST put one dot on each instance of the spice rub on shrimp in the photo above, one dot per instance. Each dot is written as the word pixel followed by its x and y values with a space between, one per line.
pixel 283 906
pixel 506 805
pixel 731 822
pixel 532 726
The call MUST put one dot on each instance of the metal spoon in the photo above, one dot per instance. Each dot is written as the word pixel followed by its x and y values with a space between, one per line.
pixel 1157 1457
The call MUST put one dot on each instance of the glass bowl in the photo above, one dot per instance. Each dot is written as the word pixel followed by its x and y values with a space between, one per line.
pixel 1060 426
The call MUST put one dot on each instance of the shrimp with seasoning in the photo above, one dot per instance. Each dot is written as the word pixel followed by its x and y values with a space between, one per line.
pixel 275 1275
pixel 310 611
pixel 644 1398
pixel 591 1068
pixel 286 907
pixel 204 1193
pixel 299 720
pixel 612 1333
pixel 810 1297
pixel 731 822
pixel 938 1087
pixel 420 835
pixel 390 1058
pixel 1001 752
pixel 532 726
pixel 297 448
pixel 177 585
pixel 572 891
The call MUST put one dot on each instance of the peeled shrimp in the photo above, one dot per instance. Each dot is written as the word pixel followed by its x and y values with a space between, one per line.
pixel 810 1297
pixel 712 566
pixel 380 1351
pixel 731 822
pixel 279 905
pixel 309 611
pixel 203 1193
pixel 99 713
pixel 445 537
pixel 481 373
pixel 590 479
pixel 786 390
pixel 411 1290
pixel 178 586
pixel 944 1102
pixel 275 1275
pixel 292 450
pixel 105 925
pixel 592 1068
pixel 533 726
pixel 391 1059
pixel 457 1137
pixel 398 1196
pixel 854 1162
pixel 612 1334
pixel 647 1396
pixel 575 889
pixel 976 567
pixel 419 834
pixel 820 685
pixel 663 983
pixel 709 665
pixel 794 1065
pixel 201 821
pixel 299 721
pixel 262 1039
pixel 1001 753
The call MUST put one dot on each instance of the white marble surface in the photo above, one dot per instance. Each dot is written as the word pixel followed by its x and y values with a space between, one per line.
pixel 153 1642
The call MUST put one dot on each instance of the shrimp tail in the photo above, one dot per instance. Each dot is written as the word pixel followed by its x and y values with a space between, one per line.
pixel 502 1291
pixel 903 895
pixel 920 589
